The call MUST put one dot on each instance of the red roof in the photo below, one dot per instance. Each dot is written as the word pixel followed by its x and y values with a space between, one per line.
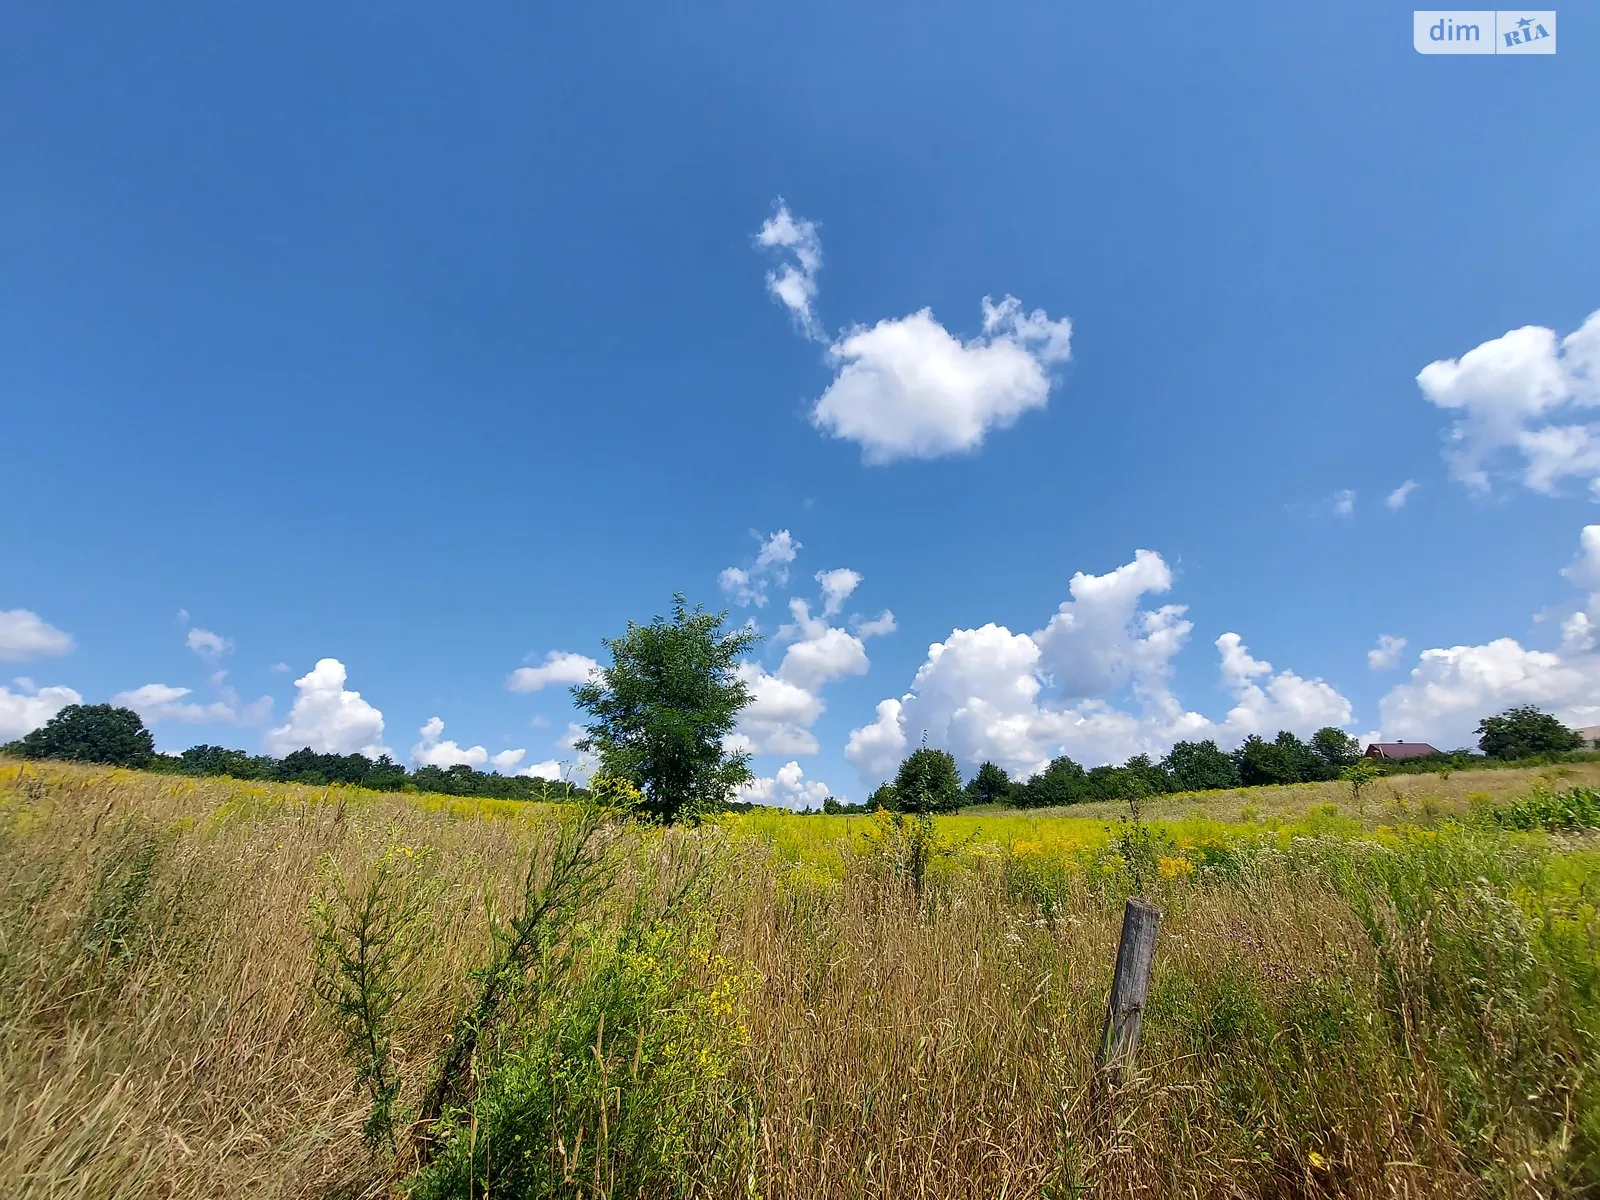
pixel 1400 750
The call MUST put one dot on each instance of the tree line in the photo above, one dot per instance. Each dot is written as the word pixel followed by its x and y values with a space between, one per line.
pixel 102 733
pixel 660 719
pixel 930 781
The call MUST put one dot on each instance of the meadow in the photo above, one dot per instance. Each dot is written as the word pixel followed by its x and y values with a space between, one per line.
pixel 1396 995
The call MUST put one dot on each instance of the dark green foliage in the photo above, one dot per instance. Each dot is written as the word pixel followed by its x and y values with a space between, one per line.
pixel 1575 809
pixel 883 797
pixel 928 781
pixel 115 923
pixel 366 939
pixel 1309 766
pixel 1200 766
pixel 220 760
pixel 990 785
pixel 306 766
pixel 836 807
pixel 1065 782
pixel 96 733
pixel 1335 747
pixel 1263 762
pixel 622 1082
pixel 561 885
pixel 1062 782
pixel 660 711
pixel 1523 732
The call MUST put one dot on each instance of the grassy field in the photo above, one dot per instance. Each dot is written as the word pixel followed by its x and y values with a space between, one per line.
pixel 1396 998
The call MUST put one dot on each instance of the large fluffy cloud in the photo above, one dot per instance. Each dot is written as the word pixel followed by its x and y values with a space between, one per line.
pixel 1020 699
pixel 25 635
pixel 24 710
pixel 906 387
pixel 328 717
pixel 786 788
pixel 1521 401
pixel 559 667
pixel 1454 687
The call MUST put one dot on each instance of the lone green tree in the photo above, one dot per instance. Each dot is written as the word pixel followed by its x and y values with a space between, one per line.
pixel 1525 731
pixel 97 733
pixel 928 781
pixel 660 712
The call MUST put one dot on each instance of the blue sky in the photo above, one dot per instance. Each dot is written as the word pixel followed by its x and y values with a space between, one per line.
pixel 436 343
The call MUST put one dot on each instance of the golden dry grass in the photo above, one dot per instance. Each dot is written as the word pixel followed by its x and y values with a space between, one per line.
pixel 895 1047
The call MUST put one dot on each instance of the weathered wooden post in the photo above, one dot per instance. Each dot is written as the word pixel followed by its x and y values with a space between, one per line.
pixel 1130 984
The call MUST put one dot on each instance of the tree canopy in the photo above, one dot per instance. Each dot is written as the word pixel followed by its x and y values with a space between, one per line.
pixel 928 781
pixel 660 712
pixel 989 785
pixel 1200 766
pixel 97 733
pixel 1524 732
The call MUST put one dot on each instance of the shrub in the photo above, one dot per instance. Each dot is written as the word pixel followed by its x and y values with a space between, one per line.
pixel 1578 808
pixel 626 1085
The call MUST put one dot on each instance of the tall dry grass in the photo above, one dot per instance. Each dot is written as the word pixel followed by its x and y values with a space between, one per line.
pixel 158 1035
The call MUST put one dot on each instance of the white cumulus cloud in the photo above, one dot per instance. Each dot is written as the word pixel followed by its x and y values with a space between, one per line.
pixel 432 750
pixel 908 388
pixel 1452 688
pixel 787 788
pixel 23 711
pixel 507 760
pixel 559 667
pixel 25 635
pixel 1386 653
pixel 1019 699
pixel 327 717
pixel 549 770
pixel 837 585
pixel 786 703
pixel 1521 402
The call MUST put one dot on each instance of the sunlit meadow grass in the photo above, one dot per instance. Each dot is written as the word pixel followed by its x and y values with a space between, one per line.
pixel 1398 999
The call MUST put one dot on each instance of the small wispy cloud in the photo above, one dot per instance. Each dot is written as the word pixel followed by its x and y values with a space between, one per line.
pixel 207 644
pixel 1398 497
pixel 1386 653
pixel 1344 502
pixel 748 585
pixel 794 284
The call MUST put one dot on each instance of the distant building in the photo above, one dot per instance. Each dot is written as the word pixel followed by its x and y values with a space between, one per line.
pixel 1398 750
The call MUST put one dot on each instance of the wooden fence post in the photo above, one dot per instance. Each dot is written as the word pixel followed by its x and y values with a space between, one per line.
pixel 1130 984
